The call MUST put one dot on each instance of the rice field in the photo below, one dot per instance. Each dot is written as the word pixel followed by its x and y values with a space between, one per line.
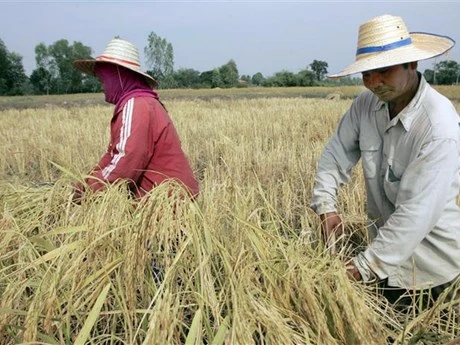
pixel 243 264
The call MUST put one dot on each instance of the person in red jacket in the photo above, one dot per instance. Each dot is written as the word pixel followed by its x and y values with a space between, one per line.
pixel 144 147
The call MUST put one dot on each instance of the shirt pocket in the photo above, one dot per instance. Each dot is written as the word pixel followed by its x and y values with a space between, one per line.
pixel 370 156
pixel 395 170
pixel 392 180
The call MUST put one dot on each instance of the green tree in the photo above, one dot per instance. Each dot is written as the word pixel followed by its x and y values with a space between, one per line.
pixel 258 79
pixel 12 76
pixel 319 68
pixel 60 52
pixel 16 76
pixel 206 79
pixel 429 75
pixel 305 78
pixel 283 78
pixel 44 77
pixel 69 78
pixel 42 81
pixel 81 82
pixel 4 66
pixel 159 54
pixel 447 72
pixel 55 72
pixel 186 78
pixel 246 78
pixel 90 84
pixel 229 74
pixel 216 78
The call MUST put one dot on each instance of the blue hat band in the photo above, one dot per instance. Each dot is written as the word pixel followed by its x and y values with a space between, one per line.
pixel 384 48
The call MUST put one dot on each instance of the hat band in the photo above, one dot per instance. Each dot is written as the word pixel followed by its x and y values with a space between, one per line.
pixel 377 49
pixel 118 60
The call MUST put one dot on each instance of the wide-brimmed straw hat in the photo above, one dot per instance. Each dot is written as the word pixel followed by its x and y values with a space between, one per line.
pixel 118 52
pixel 385 41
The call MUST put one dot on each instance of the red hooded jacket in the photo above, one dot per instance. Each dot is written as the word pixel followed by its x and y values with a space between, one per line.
pixel 144 148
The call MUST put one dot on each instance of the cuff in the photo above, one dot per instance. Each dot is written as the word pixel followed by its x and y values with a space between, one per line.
pixel 95 184
pixel 361 264
pixel 322 207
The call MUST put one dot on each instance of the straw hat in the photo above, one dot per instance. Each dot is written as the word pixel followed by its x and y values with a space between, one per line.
pixel 118 52
pixel 385 41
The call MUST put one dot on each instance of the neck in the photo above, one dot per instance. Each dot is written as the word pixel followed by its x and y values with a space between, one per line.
pixel 397 105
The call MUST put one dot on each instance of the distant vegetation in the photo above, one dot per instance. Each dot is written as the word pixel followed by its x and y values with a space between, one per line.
pixel 54 73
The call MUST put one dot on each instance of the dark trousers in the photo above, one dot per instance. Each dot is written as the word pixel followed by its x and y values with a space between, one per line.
pixel 403 298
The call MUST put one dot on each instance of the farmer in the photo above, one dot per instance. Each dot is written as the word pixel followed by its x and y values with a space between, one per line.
pixel 408 138
pixel 144 147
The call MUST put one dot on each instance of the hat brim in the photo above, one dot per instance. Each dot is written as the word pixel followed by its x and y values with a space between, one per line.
pixel 424 46
pixel 87 67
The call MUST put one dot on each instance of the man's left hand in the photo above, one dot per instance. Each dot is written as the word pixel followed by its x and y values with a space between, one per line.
pixel 352 271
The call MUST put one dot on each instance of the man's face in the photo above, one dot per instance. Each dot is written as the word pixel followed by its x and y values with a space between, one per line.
pixel 390 83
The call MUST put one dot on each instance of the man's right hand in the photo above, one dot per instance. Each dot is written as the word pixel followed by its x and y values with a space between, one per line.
pixel 332 227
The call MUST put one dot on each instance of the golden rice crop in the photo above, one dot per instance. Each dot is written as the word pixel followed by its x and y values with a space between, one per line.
pixel 242 265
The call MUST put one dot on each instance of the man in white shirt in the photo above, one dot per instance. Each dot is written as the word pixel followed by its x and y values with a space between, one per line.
pixel 407 136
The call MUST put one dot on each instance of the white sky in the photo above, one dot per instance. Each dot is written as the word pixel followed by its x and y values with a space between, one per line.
pixel 261 36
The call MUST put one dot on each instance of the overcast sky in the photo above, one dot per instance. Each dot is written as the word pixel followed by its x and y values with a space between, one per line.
pixel 261 36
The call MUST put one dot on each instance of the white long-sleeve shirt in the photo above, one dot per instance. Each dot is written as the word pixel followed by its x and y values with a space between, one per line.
pixel 411 168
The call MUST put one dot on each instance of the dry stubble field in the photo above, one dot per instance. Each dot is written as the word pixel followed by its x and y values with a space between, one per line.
pixel 243 265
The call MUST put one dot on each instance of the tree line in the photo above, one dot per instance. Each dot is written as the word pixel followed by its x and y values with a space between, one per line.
pixel 55 74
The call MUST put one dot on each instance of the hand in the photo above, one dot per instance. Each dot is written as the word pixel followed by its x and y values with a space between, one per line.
pixel 332 227
pixel 352 271
pixel 77 194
